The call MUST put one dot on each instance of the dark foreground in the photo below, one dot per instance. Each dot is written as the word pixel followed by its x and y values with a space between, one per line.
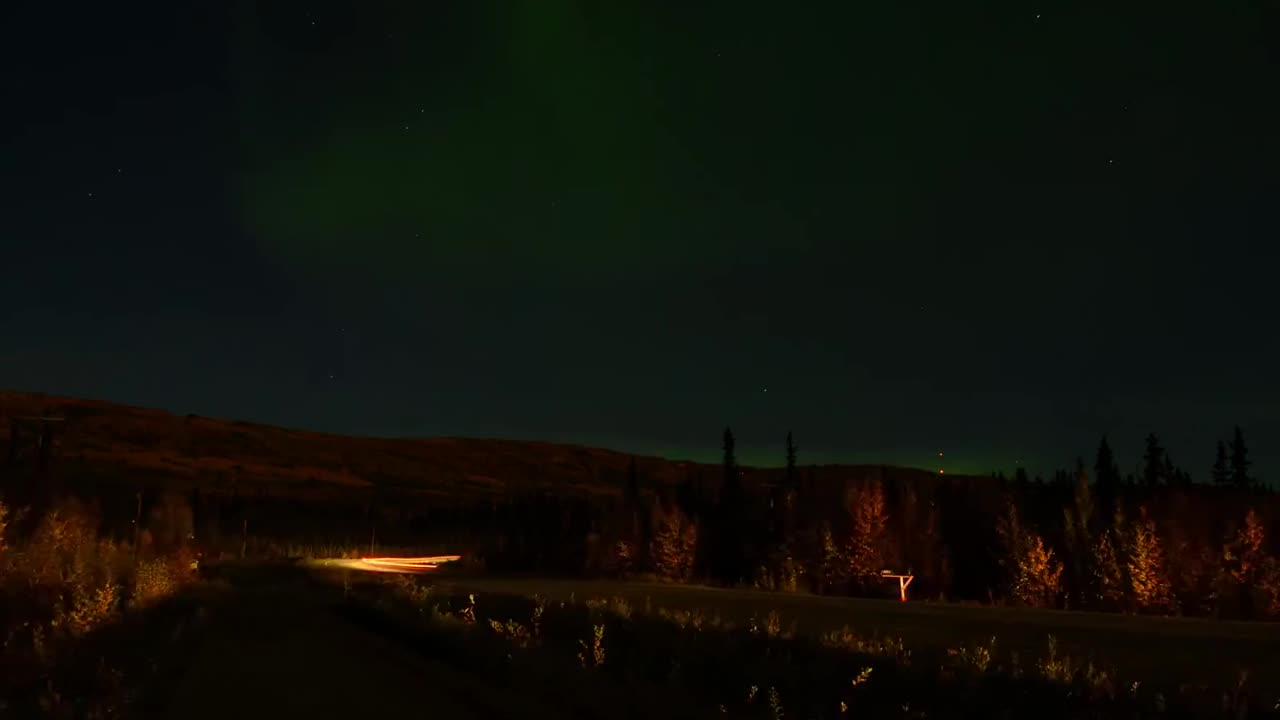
pixel 279 644
pixel 285 641
pixel 276 649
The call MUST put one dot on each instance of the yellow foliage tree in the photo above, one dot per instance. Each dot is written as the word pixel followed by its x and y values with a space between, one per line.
pixel 1039 578
pixel 864 549
pixel 1250 576
pixel 674 547
pixel 1034 575
pixel 1148 575
pixel 1109 583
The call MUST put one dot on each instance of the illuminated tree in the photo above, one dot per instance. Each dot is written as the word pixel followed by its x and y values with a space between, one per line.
pixel 1148 575
pixel 1249 572
pixel 1038 580
pixel 1109 583
pixel 1034 577
pixel 865 547
pixel 674 545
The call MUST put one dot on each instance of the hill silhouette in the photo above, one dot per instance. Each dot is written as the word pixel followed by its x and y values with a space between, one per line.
pixel 105 442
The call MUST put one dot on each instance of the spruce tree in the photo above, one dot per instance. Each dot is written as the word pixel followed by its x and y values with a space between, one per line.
pixel 1171 475
pixel 730 459
pixel 1240 461
pixel 1105 471
pixel 729 517
pixel 1153 462
pixel 791 463
pixel 1221 468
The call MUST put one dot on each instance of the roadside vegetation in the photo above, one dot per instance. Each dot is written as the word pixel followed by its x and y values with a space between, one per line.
pixel 81 612
pixel 608 657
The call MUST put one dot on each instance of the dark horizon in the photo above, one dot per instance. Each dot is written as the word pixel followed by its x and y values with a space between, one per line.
pixel 998 231
pixel 751 453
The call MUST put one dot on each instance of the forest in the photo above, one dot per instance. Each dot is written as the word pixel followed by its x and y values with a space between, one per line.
pixel 1152 541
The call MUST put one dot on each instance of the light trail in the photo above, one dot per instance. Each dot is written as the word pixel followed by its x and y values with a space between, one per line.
pixel 409 565
pixel 404 565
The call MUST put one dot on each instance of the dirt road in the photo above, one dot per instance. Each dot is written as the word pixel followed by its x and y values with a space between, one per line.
pixel 275 648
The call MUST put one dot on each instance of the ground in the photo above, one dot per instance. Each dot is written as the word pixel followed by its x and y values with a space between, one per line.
pixel 1196 651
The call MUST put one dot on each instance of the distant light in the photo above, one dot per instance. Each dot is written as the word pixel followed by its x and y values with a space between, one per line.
pixel 942 472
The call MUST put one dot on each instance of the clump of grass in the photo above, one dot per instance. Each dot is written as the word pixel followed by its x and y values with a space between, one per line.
pixel 617 605
pixel 695 620
pixel 592 654
pixel 775 704
pixel 512 631
pixel 770 626
pixel 976 659
pixel 1061 669
pixel 887 647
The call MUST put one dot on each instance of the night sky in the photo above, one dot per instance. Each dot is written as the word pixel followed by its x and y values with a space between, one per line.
pixel 996 230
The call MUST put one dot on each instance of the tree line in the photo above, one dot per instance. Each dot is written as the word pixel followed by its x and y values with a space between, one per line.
pixel 1153 541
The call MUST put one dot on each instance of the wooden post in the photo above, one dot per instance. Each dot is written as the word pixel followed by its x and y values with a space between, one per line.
pixel 903 582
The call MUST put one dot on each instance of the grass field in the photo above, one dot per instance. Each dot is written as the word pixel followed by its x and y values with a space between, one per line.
pixel 1152 650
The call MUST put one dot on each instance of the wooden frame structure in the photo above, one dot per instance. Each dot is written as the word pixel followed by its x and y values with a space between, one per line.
pixel 903 582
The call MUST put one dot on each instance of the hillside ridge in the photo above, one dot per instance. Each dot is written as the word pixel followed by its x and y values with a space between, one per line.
pixel 112 441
